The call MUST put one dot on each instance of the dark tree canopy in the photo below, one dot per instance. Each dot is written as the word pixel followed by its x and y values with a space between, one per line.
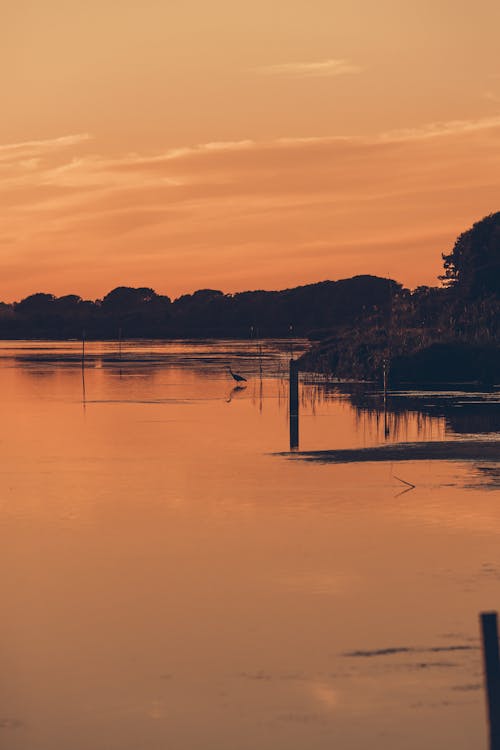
pixel 35 304
pixel 141 312
pixel 125 298
pixel 473 266
pixel 68 304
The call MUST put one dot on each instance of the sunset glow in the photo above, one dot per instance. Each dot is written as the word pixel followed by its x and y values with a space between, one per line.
pixel 196 145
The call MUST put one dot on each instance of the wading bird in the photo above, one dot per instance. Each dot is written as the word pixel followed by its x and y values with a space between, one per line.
pixel 238 378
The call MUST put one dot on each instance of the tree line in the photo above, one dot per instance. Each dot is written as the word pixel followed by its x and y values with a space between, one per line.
pixel 312 309
pixel 361 322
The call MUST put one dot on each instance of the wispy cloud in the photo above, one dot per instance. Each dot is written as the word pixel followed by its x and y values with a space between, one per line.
pixel 443 129
pixel 440 129
pixel 43 162
pixel 491 96
pixel 31 149
pixel 322 68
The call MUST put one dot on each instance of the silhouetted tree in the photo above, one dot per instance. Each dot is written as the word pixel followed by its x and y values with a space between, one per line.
pixel 35 304
pixel 137 311
pixel 473 266
pixel 6 311
pixel 69 303
pixel 125 299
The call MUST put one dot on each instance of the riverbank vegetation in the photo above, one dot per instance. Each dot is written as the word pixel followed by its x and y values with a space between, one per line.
pixel 449 333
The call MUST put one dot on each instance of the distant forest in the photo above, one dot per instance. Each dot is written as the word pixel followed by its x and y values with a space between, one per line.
pixel 362 325
pixel 142 313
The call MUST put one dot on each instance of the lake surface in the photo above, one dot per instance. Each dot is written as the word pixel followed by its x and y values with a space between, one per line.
pixel 171 581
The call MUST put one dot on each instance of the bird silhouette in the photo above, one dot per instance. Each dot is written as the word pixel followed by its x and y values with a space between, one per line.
pixel 238 378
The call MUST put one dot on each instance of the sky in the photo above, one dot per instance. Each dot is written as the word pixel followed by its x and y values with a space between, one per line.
pixel 231 145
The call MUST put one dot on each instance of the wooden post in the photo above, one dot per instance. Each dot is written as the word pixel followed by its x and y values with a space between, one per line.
pixel 294 404
pixel 489 632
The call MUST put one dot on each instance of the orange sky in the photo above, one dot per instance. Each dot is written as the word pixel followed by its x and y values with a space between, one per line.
pixel 230 145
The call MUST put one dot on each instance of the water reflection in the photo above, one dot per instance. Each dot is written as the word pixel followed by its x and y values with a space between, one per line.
pixel 162 563
pixel 256 357
pixel 443 425
pixel 485 477
pixel 235 391
pixel 464 412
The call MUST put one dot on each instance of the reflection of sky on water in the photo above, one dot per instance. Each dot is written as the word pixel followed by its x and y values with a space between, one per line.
pixel 461 411
pixel 162 563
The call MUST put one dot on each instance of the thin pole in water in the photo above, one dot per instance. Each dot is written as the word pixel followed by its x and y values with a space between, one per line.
pixel 84 394
pixel 294 404
pixel 386 423
pixel 489 632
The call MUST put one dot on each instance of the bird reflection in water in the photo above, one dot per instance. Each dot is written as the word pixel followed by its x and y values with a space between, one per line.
pixel 235 391
pixel 240 379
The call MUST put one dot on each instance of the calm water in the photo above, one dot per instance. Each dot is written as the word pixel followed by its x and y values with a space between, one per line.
pixel 170 582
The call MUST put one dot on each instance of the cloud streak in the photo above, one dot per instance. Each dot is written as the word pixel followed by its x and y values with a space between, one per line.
pixel 30 149
pixel 320 69
pixel 442 129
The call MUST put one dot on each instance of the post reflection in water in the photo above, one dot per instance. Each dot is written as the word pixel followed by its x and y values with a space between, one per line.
pixel 84 392
pixel 293 404
pixel 162 562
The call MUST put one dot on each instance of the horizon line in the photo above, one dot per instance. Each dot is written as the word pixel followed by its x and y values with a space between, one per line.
pixel 438 285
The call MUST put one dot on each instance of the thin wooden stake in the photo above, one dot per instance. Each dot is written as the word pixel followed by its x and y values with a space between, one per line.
pixel 294 404
pixel 489 631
